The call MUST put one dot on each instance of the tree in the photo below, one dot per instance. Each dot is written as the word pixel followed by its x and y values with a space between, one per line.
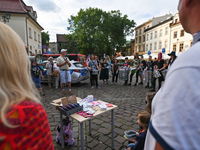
pixel 97 31
pixel 45 39
pixel 71 44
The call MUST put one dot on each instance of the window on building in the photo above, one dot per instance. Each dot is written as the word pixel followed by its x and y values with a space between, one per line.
pixel 174 47
pixel 182 33
pixel 147 27
pixel 35 35
pixel 136 40
pixel 35 51
pixel 181 47
pixel 166 30
pixel 144 28
pixel 139 48
pixel 143 38
pixel 136 33
pixel 143 47
pixel 160 32
pixel 160 45
pixel 38 38
pixel 155 45
pixel 140 31
pixel 147 37
pixel 30 53
pixel 40 52
pixel 155 34
pixel 30 33
pixel 140 39
pixel 166 44
pixel 147 47
pixel 176 20
pixel 175 34
pixel 150 47
pixel 30 47
pixel 151 36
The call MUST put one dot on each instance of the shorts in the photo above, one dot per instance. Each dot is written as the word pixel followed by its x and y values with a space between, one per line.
pixel 37 82
pixel 65 76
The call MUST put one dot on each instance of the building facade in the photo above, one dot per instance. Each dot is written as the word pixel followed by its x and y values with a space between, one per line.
pixel 23 20
pixel 158 37
pixel 180 40
pixel 54 48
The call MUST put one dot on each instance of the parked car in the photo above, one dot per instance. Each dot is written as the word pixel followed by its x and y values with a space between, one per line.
pixel 77 70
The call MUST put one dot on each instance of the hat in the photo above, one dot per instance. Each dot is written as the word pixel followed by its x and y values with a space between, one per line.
pixel 63 50
pixel 50 58
pixel 172 53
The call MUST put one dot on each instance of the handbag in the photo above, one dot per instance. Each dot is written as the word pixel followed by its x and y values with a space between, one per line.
pixel 156 74
pixel 55 73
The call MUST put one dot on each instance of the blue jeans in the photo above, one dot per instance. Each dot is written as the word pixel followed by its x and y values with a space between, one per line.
pixel 130 145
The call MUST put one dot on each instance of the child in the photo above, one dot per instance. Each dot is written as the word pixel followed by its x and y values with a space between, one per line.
pixel 149 99
pixel 143 122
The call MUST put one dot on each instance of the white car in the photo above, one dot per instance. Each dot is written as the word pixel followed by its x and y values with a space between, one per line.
pixel 77 70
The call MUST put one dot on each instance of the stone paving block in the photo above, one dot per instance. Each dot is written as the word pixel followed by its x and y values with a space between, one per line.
pixel 104 131
pixel 119 131
pixel 106 125
pixel 100 147
pixel 93 143
pixel 120 139
pixel 74 129
pixel 103 138
pixel 97 121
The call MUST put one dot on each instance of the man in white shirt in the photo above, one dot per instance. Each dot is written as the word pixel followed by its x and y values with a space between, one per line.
pixel 64 64
pixel 175 108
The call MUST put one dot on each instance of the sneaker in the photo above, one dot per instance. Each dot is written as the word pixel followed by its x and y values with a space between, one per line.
pixel 70 92
pixel 107 82
pixel 56 88
pixel 141 83
pixel 129 84
pixel 112 83
pixel 63 92
pixel 135 84
pixel 115 82
pixel 92 87
pixel 98 87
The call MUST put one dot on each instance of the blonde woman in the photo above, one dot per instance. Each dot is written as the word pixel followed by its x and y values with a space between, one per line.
pixel 23 120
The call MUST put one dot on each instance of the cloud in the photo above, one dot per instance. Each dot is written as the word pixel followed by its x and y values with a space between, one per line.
pixel 53 15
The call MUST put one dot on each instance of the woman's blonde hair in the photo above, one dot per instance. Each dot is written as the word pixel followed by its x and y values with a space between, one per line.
pixel 16 84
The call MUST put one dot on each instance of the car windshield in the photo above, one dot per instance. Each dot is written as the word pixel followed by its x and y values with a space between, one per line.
pixel 79 65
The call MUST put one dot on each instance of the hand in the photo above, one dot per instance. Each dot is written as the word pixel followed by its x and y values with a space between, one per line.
pixel 42 77
pixel 131 140
pixel 137 133
pixel 66 61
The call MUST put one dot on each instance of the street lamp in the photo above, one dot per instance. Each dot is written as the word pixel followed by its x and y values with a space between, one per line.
pixel 6 17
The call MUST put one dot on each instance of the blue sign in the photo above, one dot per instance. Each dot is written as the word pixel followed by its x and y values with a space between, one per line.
pixel 163 50
pixel 149 52
pixel 44 46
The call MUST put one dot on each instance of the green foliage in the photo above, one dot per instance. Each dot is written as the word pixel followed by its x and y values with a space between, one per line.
pixel 45 38
pixel 96 31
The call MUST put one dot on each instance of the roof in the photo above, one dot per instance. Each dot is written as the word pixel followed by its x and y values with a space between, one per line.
pixel 61 38
pixel 18 6
pixel 162 22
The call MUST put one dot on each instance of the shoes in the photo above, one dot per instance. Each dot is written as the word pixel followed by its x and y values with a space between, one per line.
pixel 141 83
pixel 107 82
pixel 115 82
pixel 92 87
pixel 129 84
pixel 63 92
pixel 56 88
pixel 135 84
pixel 70 92
pixel 98 87
pixel 153 90
pixel 112 83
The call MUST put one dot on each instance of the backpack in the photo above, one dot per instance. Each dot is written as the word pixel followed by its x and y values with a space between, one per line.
pixel 67 131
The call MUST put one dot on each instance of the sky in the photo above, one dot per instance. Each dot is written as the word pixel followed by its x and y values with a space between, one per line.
pixel 53 15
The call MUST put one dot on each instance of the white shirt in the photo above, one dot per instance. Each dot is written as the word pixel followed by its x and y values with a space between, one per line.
pixel 56 67
pixel 176 107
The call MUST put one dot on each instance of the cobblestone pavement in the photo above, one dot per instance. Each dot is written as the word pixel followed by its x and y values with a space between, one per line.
pixel 129 99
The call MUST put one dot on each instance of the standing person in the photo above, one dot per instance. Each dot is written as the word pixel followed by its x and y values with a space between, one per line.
pixel 126 67
pixel 104 75
pixel 57 75
pixel 49 67
pixel 115 71
pixel 175 108
pixel 109 63
pixel 23 122
pixel 36 73
pixel 96 58
pixel 171 60
pixel 158 66
pixel 150 67
pixel 144 63
pixel 64 64
pixel 92 65
pixel 136 65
